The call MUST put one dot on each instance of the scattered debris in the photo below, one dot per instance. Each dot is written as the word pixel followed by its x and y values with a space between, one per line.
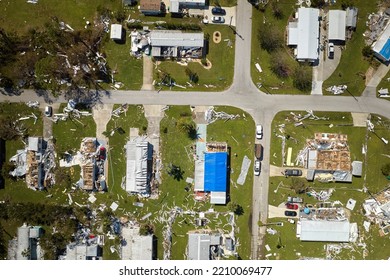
pixel 351 204
pixel 246 162
pixel 114 206
pixel 32 104
pixel 211 115
pixel 337 89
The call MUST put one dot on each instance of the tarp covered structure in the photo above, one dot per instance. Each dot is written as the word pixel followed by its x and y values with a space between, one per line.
pixel 215 172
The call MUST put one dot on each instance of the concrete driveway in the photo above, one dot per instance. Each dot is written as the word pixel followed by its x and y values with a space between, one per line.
pixel 230 17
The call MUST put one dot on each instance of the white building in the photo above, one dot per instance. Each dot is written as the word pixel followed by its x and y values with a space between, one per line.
pixel 337 25
pixel 138 157
pixel 136 246
pixel 116 32
pixel 304 34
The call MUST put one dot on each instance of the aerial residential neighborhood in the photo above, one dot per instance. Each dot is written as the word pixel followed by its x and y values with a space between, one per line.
pixel 194 130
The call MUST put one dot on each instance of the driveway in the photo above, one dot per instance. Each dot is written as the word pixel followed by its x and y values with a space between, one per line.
pixel 230 17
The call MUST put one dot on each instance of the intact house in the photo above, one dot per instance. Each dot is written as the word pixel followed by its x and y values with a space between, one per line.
pixel 337 26
pixel 303 34
pixel 178 6
pixel 176 44
pixel 204 245
pixel 26 246
pixel 152 7
pixel 139 159
pixel 135 246
pixel 116 33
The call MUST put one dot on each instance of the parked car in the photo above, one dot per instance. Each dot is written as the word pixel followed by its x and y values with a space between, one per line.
pixel 258 151
pixel 292 172
pixel 218 11
pixel 259 131
pixel 218 19
pixel 290 213
pixel 331 50
pixel 102 153
pixel 48 111
pixel 257 167
pixel 291 206
pixel 292 199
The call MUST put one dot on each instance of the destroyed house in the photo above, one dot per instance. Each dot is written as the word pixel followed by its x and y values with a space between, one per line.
pixel 135 246
pixel 176 44
pixel 328 158
pixel 203 246
pixel 35 164
pixel 138 166
pixel 303 34
pixel 381 47
pixel 151 7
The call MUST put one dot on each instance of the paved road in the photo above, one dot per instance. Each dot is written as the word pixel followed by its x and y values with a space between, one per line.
pixel 242 94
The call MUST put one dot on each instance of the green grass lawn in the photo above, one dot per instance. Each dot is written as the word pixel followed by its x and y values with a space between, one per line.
pixel 269 81
pixel 375 182
pixel 128 69
pixel 352 64
pixel 19 16
pixel 221 56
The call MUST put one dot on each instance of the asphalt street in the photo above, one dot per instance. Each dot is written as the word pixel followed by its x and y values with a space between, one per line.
pixel 245 95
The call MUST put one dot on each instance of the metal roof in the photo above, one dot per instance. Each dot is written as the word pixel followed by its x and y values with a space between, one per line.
pixel 357 168
pixel 337 25
pixel 312 159
pixel 174 38
pixel 351 19
pixel 136 246
pixel 23 242
pixel 116 32
pixel 308 34
pixel 322 230
pixel 199 245
pixel 34 144
pixel 218 197
pixel 137 156
pixel 292 34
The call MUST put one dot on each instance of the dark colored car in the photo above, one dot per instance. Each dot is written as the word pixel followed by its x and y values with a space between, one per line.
pixel 290 213
pixel 102 153
pixel 292 172
pixel 291 206
pixel 218 11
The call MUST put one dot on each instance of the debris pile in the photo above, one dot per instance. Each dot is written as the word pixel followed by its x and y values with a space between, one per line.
pixel 70 111
pixel 36 162
pixel 211 115
pixel 377 211
pixel 337 89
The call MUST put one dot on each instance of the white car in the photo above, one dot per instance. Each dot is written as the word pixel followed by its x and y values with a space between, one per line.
pixel 48 111
pixel 257 167
pixel 331 50
pixel 259 131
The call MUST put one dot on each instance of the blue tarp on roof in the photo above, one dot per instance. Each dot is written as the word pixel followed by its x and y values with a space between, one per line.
pixel 215 173
pixel 385 51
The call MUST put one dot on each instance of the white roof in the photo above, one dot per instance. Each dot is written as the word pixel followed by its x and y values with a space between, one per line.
pixel 312 159
pixel 199 245
pixel 169 38
pixel 116 32
pixel 337 25
pixel 308 34
pixel 137 153
pixel 382 40
pixel 292 34
pixel 218 198
pixel 332 231
pixel 34 144
pixel 351 16
pixel 136 246
pixel 174 6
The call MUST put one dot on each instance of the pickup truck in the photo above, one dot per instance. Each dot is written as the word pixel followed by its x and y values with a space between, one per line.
pixel 258 151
